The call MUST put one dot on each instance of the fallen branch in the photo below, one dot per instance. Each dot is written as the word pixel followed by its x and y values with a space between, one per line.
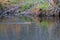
pixel 16 8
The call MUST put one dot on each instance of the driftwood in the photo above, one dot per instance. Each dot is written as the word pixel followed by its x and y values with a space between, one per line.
pixel 17 7
pixel 55 9
pixel 51 2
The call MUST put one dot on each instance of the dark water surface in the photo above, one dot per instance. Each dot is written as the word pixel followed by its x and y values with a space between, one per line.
pixel 48 28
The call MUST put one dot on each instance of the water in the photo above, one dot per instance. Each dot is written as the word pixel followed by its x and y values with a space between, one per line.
pixel 46 28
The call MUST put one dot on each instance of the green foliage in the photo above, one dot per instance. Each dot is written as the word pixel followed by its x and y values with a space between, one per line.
pixel 2 7
pixel 43 6
pixel 26 6
pixel 15 1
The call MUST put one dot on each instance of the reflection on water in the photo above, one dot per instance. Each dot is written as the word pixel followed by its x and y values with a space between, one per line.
pixel 47 29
